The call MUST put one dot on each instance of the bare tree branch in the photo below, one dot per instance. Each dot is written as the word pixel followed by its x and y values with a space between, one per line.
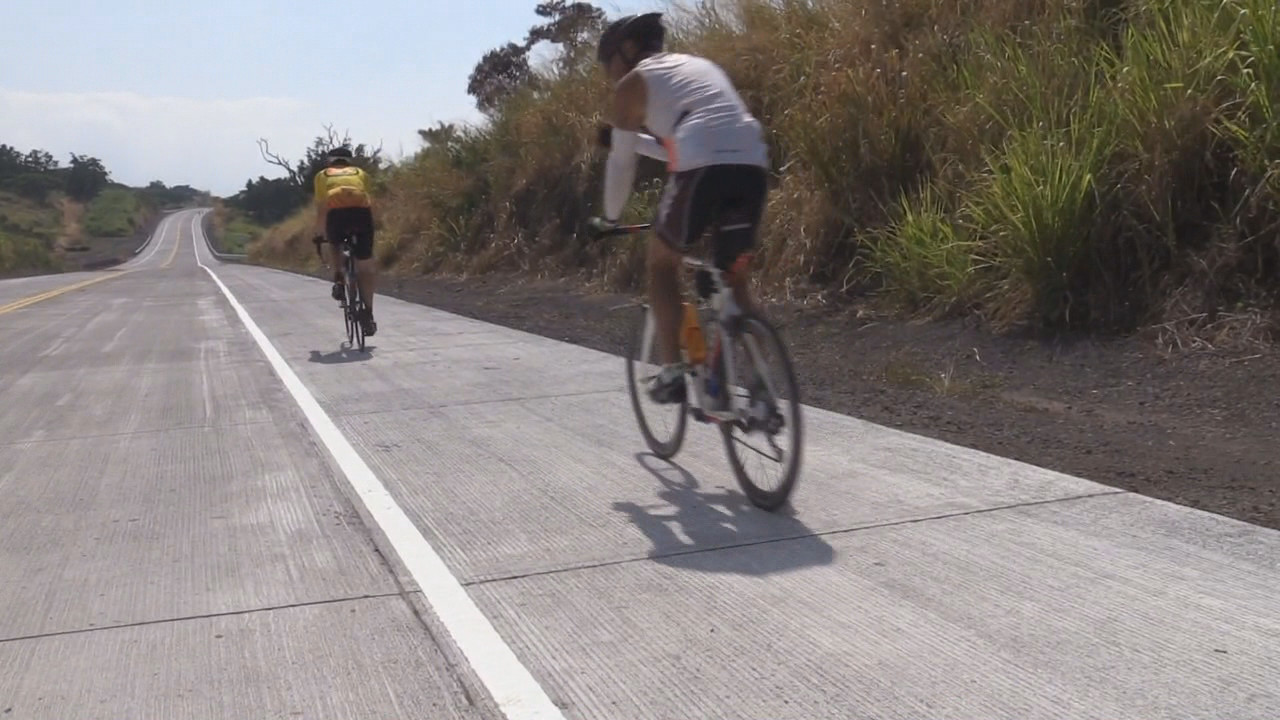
pixel 265 148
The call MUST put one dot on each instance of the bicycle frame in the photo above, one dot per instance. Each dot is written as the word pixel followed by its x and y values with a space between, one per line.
pixel 344 248
pixel 726 311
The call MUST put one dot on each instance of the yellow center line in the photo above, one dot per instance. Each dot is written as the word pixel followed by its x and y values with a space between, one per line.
pixel 177 243
pixel 27 301
pixel 32 300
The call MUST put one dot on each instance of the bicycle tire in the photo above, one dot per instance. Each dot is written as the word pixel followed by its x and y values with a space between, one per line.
pixel 355 302
pixel 668 449
pixel 348 316
pixel 769 500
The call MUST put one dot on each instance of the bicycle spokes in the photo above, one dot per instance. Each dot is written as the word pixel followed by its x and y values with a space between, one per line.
pixel 763 442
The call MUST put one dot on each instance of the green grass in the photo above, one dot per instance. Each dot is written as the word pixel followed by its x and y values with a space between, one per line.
pixel 115 212
pixel 1066 163
pixel 232 232
pixel 28 231
pixel 20 216
pixel 239 233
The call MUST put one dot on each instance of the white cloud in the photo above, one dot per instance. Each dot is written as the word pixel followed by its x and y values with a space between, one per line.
pixel 210 144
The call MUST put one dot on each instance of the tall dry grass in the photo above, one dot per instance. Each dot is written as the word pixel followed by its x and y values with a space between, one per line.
pixel 1051 163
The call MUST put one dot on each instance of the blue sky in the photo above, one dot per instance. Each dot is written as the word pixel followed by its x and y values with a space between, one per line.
pixel 180 90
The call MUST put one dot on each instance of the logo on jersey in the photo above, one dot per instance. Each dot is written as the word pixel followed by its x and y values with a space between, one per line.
pixel 346 189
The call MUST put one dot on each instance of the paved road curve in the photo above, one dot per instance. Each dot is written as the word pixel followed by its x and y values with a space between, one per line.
pixel 209 510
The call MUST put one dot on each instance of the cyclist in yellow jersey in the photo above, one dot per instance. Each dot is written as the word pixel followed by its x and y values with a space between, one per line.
pixel 344 205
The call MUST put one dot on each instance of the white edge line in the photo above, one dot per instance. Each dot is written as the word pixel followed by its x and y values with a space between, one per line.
pixel 158 235
pixel 514 690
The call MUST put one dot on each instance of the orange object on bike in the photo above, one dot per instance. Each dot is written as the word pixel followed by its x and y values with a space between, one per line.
pixel 691 333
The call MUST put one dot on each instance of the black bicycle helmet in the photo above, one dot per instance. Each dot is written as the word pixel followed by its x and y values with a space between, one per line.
pixel 340 152
pixel 646 30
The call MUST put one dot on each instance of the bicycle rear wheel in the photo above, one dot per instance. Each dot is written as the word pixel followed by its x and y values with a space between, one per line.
pixel 768 408
pixel 355 304
pixel 349 318
pixel 663 426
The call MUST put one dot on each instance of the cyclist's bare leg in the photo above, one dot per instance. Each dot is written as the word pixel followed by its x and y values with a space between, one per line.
pixel 366 278
pixel 333 260
pixel 739 283
pixel 664 296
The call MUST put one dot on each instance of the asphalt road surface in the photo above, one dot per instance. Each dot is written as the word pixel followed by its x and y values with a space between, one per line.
pixel 209 509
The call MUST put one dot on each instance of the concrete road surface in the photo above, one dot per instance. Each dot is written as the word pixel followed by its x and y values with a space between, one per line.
pixel 209 509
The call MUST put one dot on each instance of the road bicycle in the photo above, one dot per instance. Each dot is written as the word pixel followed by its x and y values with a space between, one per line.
pixel 763 408
pixel 352 304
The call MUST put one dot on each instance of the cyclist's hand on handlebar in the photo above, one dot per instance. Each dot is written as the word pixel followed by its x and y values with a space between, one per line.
pixel 598 226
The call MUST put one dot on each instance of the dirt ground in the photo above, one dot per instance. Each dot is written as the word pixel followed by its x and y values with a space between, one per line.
pixel 1196 428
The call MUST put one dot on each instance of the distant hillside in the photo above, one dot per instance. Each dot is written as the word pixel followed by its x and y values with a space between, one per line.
pixel 55 218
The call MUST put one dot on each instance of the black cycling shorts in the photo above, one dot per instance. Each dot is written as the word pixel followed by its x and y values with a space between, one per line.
pixel 730 197
pixel 355 221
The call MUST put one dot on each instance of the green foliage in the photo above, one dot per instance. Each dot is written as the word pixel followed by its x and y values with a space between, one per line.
pixel 928 260
pixel 33 175
pixel 86 178
pixel 27 233
pixel 20 216
pixel 24 253
pixel 269 200
pixel 231 230
pixel 115 212
pixel 178 196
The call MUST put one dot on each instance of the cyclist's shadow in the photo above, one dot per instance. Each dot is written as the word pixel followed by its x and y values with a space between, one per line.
pixel 342 355
pixel 717 524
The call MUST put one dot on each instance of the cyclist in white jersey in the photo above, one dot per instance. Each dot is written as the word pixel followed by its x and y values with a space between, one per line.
pixel 717 160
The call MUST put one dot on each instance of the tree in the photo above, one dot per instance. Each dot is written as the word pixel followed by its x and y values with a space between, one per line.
pixel 569 23
pixel 498 75
pixel 33 175
pixel 86 178
pixel 176 196
pixel 504 71
pixel 269 201
pixel 301 173
pixel 39 161
pixel 10 161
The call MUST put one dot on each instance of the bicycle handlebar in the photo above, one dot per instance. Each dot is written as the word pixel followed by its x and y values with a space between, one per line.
pixel 628 229
pixel 622 230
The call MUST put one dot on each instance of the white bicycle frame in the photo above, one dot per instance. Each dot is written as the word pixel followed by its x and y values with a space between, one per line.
pixel 726 310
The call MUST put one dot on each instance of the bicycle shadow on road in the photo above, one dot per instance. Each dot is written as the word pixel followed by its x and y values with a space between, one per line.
pixel 342 355
pixel 725 532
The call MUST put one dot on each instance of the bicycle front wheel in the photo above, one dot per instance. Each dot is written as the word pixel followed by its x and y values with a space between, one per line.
pixel 764 443
pixel 663 426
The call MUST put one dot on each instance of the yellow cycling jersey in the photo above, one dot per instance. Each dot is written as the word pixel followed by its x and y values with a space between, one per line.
pixel 342 187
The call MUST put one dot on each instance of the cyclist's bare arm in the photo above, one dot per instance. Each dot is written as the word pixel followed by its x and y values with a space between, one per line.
pixel 629 99
pixel 318 200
